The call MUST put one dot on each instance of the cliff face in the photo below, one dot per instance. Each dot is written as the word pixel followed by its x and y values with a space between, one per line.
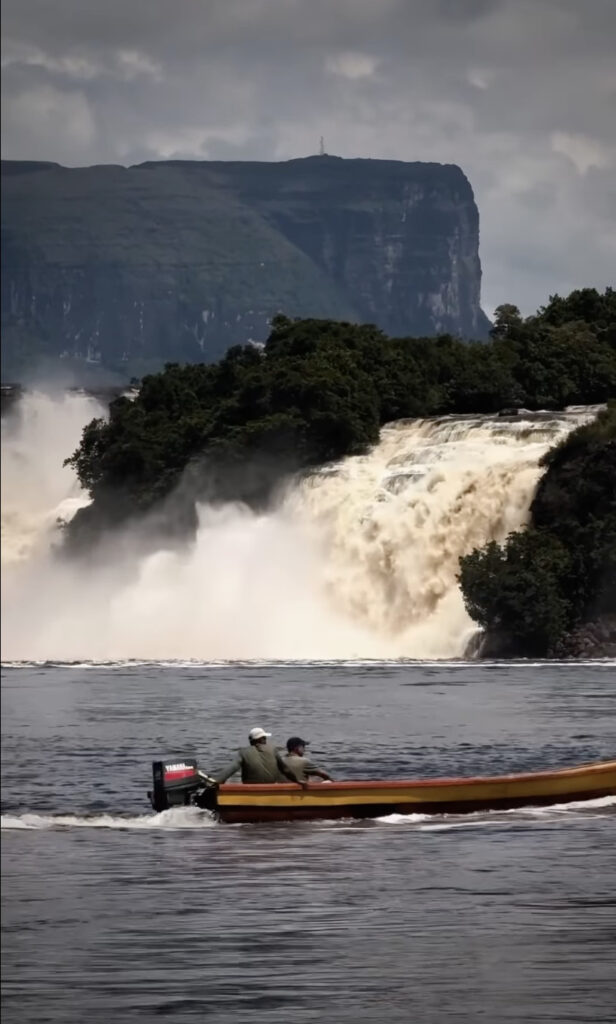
pixel 130 267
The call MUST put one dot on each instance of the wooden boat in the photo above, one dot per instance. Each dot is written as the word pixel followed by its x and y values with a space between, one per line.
pixel 233 802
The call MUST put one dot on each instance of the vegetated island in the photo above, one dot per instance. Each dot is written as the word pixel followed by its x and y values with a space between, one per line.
pixel 319 390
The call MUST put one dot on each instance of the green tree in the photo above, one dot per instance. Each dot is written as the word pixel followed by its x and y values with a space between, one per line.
pixel 518 590
pixel 561 571
pixel 507 321
pixel 320 390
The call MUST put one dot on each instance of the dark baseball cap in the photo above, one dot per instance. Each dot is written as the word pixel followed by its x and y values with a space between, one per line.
pixel 296 741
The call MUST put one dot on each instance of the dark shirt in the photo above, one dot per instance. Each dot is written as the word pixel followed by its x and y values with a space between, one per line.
pixel 258 764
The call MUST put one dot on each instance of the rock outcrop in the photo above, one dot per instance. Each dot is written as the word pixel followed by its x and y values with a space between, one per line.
pixel 592 640
pixel 129 267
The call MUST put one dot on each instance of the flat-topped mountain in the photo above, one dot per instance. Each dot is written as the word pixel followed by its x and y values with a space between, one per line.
pixel 131 267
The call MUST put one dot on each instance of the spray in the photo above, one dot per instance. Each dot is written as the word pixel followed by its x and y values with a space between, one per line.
pixel 357 561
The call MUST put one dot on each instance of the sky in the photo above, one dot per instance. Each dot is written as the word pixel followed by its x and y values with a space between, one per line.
pixel 519 93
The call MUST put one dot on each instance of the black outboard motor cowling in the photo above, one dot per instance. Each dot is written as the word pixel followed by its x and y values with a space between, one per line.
pixel 176 782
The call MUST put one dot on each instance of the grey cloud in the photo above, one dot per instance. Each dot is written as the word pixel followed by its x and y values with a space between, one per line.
pixel 520 93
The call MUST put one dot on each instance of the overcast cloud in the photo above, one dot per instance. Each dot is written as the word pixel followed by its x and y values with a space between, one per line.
pixel 520 93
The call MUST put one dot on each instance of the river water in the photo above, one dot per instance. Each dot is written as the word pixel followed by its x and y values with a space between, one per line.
pixel 112 913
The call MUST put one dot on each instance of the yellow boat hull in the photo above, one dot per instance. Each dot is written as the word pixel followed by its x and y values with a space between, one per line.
pixel 287 802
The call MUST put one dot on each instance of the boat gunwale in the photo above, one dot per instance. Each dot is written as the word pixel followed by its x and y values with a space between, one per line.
pixel 591 770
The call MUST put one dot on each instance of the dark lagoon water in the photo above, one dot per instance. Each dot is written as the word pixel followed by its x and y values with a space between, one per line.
pixel 112 913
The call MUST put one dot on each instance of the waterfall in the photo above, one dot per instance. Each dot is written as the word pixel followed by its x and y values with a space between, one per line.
pixel 38 433
pixel 358 560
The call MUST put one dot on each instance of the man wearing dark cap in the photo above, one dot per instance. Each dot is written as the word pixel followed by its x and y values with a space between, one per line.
pixel 301 766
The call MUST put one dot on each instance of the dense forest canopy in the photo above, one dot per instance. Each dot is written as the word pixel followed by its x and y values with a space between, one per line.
pixel 319 390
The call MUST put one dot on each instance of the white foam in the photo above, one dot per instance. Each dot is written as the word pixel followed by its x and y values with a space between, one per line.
pixel 111 665
pixel 174 819
pixel 574 805
pixel 513 816
pixel 180 818
pixel 356 564
pixel 402 819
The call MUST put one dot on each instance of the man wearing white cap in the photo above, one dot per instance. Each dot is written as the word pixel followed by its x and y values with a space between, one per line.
pixel 259 762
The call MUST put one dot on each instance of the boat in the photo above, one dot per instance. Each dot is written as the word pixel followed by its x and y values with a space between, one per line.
pixel 178 781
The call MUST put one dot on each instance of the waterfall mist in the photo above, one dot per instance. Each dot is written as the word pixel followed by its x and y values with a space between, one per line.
pixel 358 560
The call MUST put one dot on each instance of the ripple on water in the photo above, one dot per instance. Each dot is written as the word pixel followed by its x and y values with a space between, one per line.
pixel 111 912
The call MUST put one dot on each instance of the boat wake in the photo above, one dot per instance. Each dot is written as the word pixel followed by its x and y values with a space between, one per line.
pixel 605 805
pixel 182 818
pixel 174 819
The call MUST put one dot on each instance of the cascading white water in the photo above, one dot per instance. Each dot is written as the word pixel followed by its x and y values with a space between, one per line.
pixel 37 491
pixel 359 560
pixel 394 523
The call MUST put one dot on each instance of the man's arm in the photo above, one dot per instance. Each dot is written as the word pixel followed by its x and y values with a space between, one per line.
pixel 311 769
pixel 320 773
pixel 230 770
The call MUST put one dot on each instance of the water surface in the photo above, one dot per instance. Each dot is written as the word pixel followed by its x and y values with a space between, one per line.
pixel 112 913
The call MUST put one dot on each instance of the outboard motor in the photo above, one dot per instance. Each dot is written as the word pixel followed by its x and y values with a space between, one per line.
pixel 176 782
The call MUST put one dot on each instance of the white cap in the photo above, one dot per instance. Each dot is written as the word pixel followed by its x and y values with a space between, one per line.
pixel 258 734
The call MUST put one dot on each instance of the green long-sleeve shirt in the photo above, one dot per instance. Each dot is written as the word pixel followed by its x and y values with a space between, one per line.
pixel 258 764
pixel 302 767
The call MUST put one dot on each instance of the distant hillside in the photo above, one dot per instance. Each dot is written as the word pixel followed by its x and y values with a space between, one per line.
pixel 126 268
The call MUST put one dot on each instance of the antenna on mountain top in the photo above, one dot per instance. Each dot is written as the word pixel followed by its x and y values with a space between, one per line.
pixel 322 147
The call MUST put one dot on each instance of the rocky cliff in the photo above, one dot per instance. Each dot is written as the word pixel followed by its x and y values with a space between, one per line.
pixel 129 267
